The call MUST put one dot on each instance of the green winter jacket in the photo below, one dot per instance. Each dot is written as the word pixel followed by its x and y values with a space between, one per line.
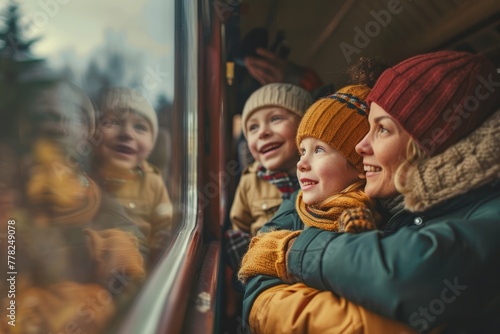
pixel 422 270
pixel 431 268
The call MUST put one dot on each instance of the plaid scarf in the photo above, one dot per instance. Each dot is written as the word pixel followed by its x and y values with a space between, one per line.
pixel 236 246
pixel 286 183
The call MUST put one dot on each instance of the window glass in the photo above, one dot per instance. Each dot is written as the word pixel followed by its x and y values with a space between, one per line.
pixel 86 200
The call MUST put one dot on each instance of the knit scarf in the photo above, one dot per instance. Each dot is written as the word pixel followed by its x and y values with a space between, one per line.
pixel 469 164
pixel 83 213
pixel 285 183
pixel 57 192
pixel 325 214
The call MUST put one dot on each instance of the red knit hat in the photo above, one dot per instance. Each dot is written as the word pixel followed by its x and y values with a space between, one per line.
pixel 440 97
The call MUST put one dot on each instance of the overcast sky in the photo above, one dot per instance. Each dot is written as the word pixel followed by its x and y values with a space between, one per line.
pixel 75 28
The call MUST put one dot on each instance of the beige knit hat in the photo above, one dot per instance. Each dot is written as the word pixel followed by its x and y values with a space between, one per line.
pixel 288 96
pixel 124 98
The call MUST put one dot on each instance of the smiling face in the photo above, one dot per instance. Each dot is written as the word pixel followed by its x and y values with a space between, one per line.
pixel 57 113
pixel 127 139
pixel 271 138
pixel 322 171
pixel 383 150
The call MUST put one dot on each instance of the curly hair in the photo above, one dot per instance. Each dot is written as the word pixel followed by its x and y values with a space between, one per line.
pixel 365 71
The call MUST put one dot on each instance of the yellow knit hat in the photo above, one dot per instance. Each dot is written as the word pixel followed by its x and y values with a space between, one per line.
pixel 293 98
pixel 340 120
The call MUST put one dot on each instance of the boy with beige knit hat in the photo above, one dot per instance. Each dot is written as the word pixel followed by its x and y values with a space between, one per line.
pixel 270 119
pixel 128 129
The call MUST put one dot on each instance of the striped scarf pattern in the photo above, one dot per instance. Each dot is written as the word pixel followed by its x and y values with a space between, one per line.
pixel 286 183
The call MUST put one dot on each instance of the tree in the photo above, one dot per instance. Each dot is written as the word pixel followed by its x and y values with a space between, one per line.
pixel 20 71
pixel 17 62
pixel 13 44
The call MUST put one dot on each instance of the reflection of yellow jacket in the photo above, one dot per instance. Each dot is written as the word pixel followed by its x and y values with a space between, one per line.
pixel 255 201
pixel 307 310
pixel 147 203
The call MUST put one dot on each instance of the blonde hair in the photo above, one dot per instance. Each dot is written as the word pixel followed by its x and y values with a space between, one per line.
pixel 414 156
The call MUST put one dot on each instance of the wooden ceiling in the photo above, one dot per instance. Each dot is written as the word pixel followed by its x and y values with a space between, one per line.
pixel 327 35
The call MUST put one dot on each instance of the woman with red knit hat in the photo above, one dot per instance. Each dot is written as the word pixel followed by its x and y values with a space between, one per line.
pixel 432 158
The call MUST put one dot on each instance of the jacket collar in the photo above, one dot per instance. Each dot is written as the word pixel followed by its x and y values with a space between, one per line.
pixel 252 168
pixel 448 207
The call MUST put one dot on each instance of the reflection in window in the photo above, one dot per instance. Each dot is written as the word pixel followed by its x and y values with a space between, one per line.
pixel 85 138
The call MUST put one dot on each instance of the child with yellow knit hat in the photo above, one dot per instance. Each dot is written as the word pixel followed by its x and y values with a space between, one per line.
pixel 270 119
pixel 126 135
pixel 331 177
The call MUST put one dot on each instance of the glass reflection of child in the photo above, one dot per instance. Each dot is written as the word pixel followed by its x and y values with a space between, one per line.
pixel 128 129
pixel 71 238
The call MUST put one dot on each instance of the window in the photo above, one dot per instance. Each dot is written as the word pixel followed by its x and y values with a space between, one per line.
pixel 79 239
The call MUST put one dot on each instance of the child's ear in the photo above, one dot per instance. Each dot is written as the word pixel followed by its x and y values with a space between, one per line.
pixel 362 176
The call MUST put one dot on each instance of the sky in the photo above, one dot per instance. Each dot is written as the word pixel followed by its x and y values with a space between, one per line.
pixel 74 30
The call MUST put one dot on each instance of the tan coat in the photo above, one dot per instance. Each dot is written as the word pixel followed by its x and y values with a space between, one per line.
pixel 147 204
pixel 312 311
pixel 255 201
